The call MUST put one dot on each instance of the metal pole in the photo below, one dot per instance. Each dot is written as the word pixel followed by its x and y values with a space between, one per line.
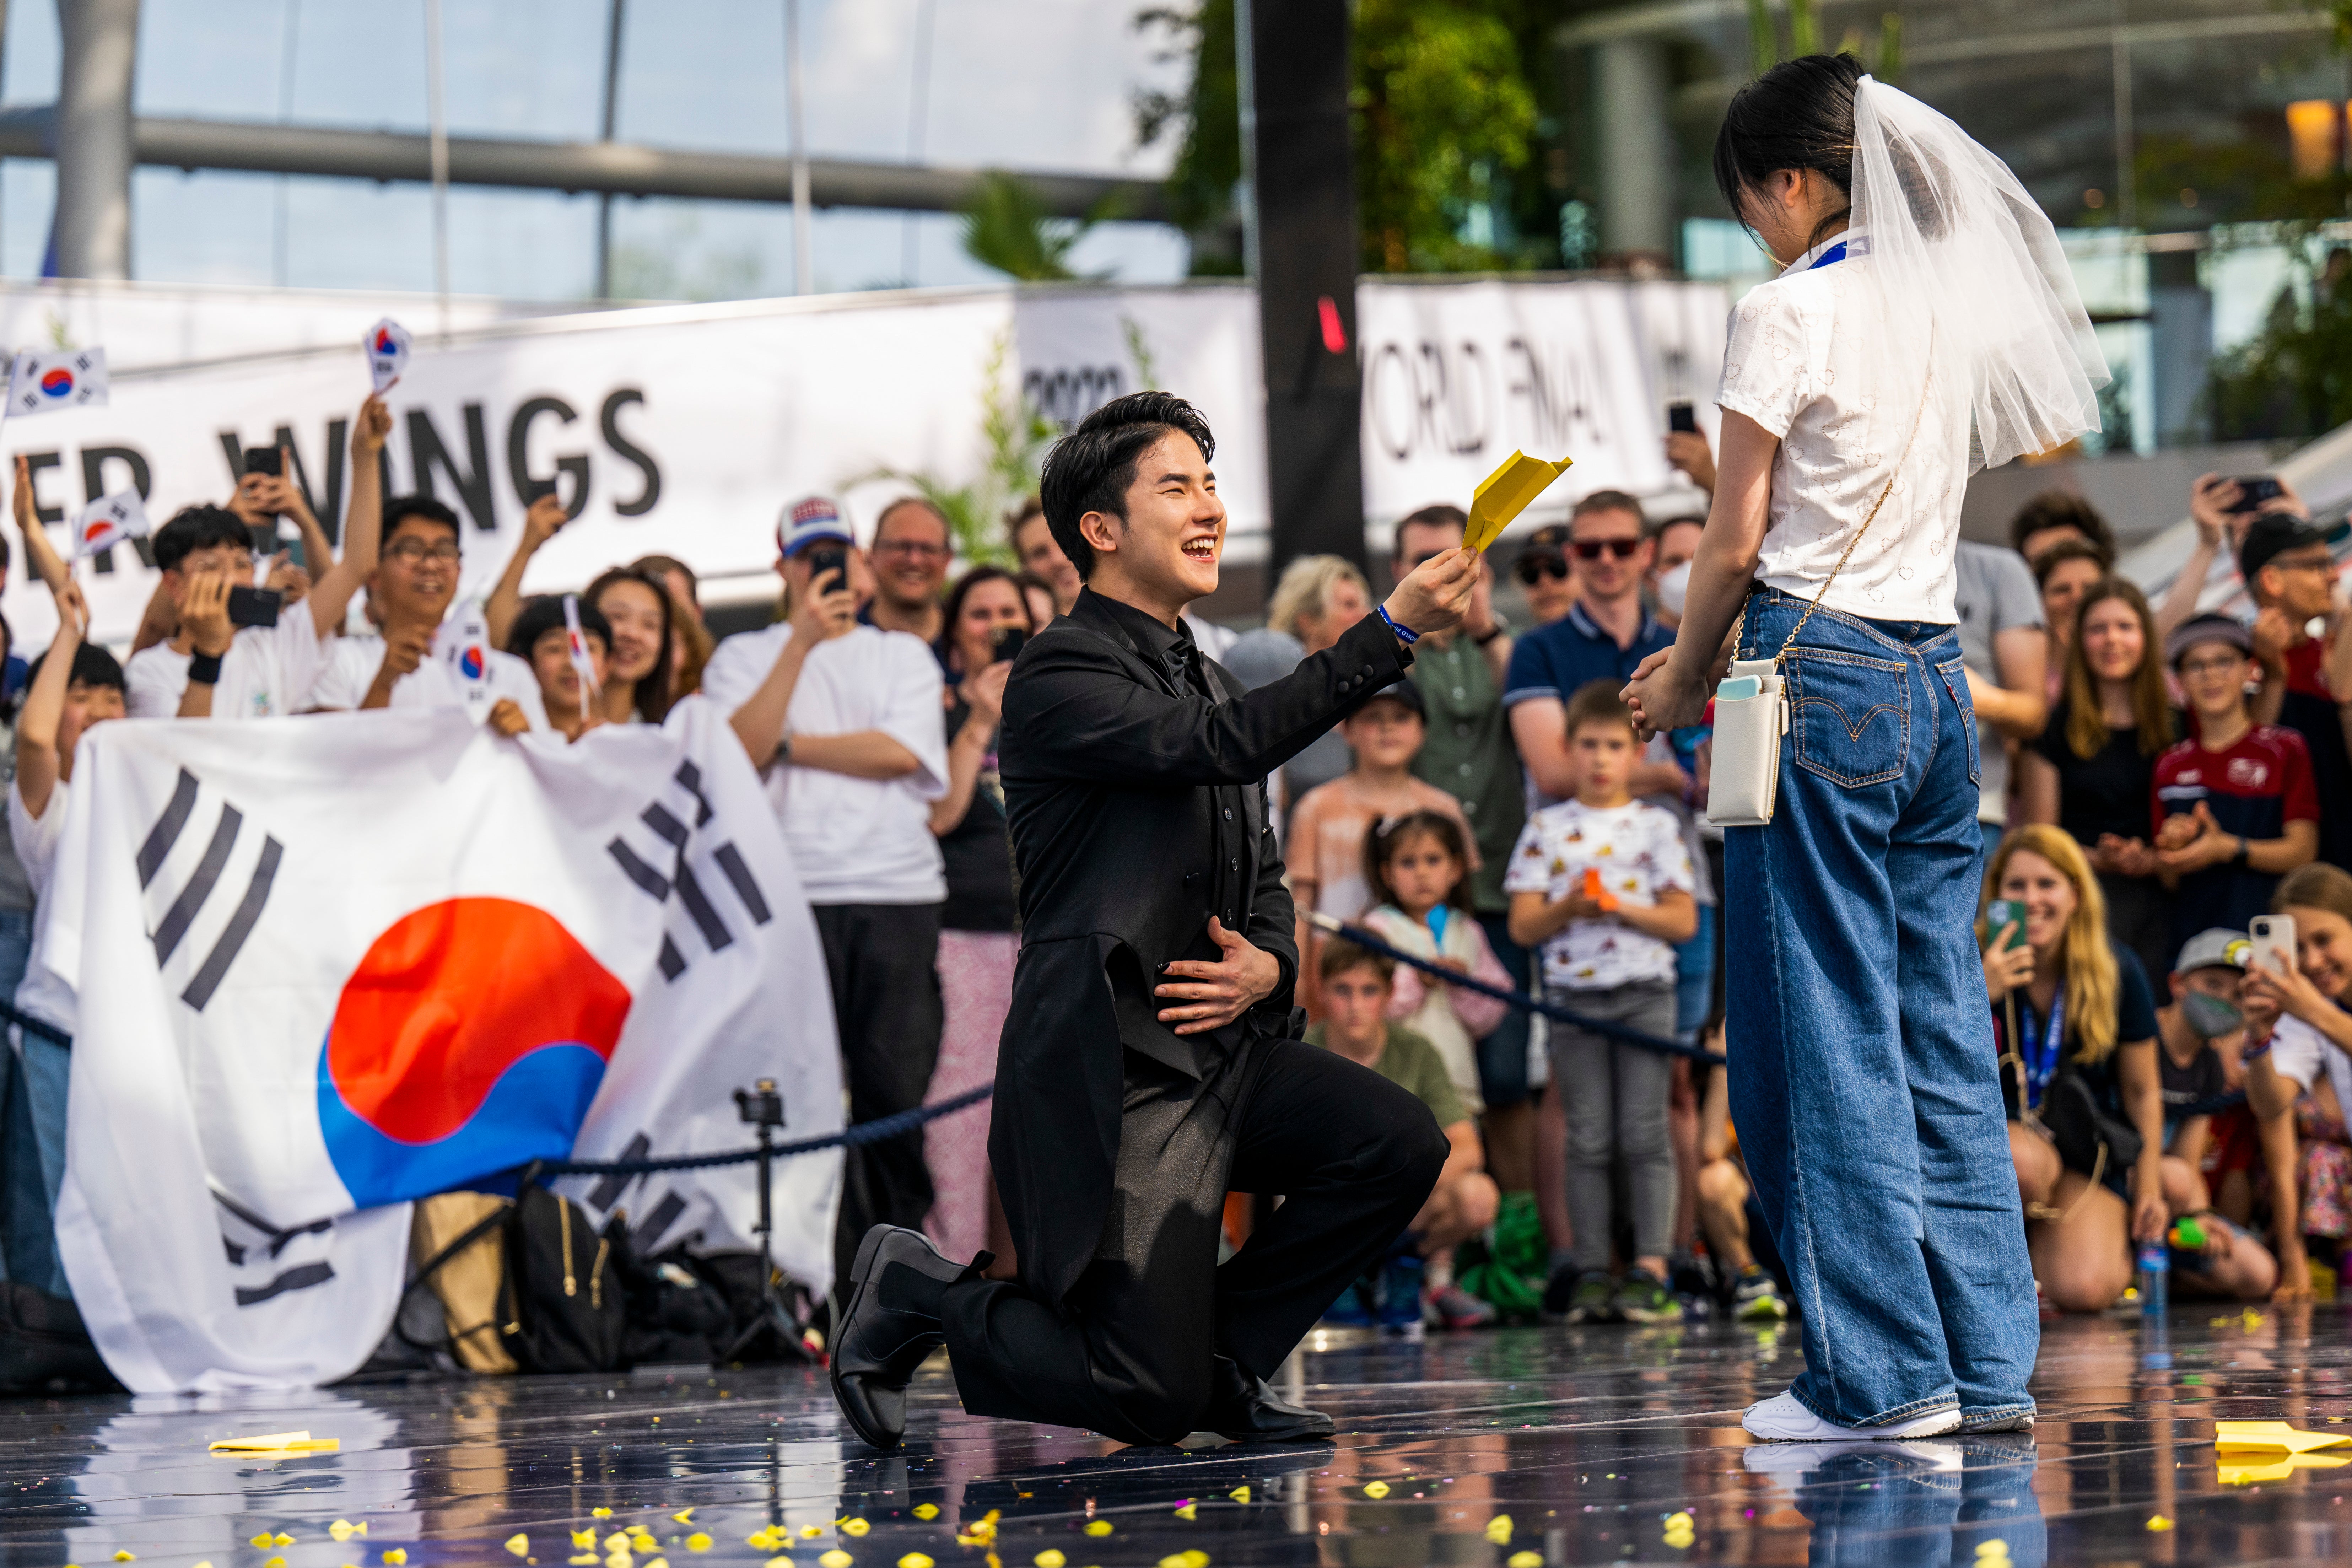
pixel 285 113
pixel 438 131
pixel 94 141
pixel 605 199
pixel 1245 78
pixel 803 280
pixel 917 114
pixel 2126 181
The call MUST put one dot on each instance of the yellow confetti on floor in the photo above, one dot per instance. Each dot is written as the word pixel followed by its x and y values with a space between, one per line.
pixel 1376 1490
pixel 396 1556
pixel 2157 1521
pixel 124 1557
pixel 914 1560
pixel 1098 1527
pixel 697 1541
pixel 600 1513
pixel 1049 1558
pixel 262 1540
pixel 1189 1511
pixel 1993 1550
pixel 1525 1560
pixel 281 1539
pixel 926 1511
pixel 836 1558
pixel 583 1560
pixel 1499 1530
pixel 778 1562
pixel 853 1527
pixel 1240 1493
pixel 684 1516
pixel 344 1530
pixel 518 1543
pixel 809 1532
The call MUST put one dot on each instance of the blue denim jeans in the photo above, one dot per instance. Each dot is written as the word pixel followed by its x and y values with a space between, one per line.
pixel 1861 1063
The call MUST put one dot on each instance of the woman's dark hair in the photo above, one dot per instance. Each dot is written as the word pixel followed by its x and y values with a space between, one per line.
pixel 2066 549
pixel 1798 115
pixel 1090 468
pixel 2062 509
pixel 652 699
pixel 1389 834
pixel 543 614
pixel 952 611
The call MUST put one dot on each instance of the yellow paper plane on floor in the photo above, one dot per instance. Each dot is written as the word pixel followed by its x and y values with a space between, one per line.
pixel 1504 494
pixel 2243 1437
pixel 277 1443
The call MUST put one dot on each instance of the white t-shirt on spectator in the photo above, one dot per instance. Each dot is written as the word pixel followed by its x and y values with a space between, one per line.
pixel 267 672
pixel 352 663
pixel 1639 850
pixel 1805 359
pixel 37 838
pixel 855 841
pixel 2298 1052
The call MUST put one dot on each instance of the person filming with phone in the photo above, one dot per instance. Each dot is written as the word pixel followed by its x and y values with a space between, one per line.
pixel 986 623
pixel 843 722
pixel 240 651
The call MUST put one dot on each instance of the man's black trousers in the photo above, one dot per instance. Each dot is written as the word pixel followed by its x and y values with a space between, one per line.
pixel 1354 1157
pixel 883 961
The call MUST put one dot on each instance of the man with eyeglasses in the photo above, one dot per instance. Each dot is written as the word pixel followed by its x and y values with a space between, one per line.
pixel 912 551
pixel 2290 574
pixel 414 580
pixel 1604 636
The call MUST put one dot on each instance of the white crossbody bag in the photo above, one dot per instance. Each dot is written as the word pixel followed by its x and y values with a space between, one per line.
pixel 1751 705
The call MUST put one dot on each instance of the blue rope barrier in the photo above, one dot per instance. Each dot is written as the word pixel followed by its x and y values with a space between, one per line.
pixel 894 1125
pixel 1519 999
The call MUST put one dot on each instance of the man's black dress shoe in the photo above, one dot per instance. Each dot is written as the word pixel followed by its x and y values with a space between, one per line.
pixel 1245 1407
pixel 892 1323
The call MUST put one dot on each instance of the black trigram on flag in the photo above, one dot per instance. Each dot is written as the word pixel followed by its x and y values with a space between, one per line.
pixel 256 1253
pixel 650 1228
pixel 188 902
pixel 678 840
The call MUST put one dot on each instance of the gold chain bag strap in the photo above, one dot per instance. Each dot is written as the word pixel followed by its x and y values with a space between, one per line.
pixel 1752 708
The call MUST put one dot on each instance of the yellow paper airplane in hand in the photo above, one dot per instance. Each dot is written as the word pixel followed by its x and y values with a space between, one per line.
pixel 1504 494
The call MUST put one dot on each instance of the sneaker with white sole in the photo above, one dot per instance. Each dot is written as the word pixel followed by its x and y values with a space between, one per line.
pixel 1780 1420
pixel 2019 1423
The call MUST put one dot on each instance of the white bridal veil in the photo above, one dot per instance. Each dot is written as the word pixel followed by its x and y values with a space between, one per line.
pixel 1958 246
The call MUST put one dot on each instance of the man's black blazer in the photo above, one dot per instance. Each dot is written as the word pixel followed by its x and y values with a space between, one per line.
pixel 1111 767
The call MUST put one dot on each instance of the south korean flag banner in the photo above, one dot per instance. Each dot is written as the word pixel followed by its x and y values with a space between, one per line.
pixel 52 382
pixel 108 521
pixel 326 966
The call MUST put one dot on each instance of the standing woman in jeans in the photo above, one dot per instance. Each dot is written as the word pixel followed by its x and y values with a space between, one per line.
pixel 1925 323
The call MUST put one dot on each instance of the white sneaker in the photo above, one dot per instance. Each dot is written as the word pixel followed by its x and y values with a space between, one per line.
pixel 2012 1424
pixel 1780 1420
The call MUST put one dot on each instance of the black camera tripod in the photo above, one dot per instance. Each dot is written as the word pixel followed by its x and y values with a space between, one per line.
pixel 763 1108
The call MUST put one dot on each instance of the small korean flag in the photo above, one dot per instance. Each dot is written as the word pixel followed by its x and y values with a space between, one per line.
pixel 108 521
pixel 388 351
pixel 45 383
pixel 466 646
pixel 591 690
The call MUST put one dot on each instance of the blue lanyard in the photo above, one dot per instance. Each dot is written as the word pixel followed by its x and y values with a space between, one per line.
pixel 1436 918
pixel 1834 253
pixel 2039 1049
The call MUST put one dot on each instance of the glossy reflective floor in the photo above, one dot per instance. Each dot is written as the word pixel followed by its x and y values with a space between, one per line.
pixel 1589 1441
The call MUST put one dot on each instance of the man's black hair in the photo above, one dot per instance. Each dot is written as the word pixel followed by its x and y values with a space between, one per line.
pixel 403 507
pixel 544 614
pixel 195 528
pixel 92 666
pixel 1090 468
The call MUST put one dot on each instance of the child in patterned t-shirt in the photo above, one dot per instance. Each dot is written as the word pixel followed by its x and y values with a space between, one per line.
pixel 1603 883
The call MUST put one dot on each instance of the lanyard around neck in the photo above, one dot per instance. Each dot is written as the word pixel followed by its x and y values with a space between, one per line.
pixel 2038 1049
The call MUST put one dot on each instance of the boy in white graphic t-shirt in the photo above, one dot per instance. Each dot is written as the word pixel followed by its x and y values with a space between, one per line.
pixel 1603 884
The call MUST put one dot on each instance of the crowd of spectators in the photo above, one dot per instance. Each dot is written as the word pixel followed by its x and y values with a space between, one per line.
pixel 2153 780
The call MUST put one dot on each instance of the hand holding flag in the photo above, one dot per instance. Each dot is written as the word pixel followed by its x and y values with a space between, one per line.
pixel 387 353
pixel 583 664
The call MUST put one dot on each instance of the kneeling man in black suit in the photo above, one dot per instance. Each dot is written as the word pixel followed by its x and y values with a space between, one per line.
pixel 1152 1059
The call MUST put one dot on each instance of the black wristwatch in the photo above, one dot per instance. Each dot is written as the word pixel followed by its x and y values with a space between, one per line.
pixel 2238 859
pixel 1502 624
pixel 204 668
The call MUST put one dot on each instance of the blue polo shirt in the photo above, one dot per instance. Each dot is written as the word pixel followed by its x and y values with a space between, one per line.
pixel 1554 661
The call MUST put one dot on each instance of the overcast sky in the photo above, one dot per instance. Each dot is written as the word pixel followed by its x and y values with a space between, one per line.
pixel 1013 84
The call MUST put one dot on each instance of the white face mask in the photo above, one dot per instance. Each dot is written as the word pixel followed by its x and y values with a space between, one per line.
pixel 1673 584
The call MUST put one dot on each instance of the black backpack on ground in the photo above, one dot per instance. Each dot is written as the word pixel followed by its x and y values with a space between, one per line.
pixel 561 1304
pixel 43 1348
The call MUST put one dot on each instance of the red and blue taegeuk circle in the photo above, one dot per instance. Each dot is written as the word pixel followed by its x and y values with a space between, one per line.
pixel 471 1038
pixel 383 343
pixel 58 381
pixel 472 662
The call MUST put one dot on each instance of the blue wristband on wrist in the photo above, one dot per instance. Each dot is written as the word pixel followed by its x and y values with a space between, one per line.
pixel 1405 635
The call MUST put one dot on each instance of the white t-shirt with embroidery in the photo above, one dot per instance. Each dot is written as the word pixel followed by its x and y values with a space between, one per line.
pixel 1804 359
pixel 1639 851
pixel 352 663
pixel 267 672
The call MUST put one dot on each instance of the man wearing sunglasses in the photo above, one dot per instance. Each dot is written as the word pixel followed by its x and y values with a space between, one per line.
pixel 1604 636
pixel 1545 574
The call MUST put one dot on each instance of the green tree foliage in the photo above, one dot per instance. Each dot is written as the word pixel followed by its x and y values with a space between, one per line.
pixel 1444 119
pixel 1007 227
pixel 1205 119
pixel 1013 438
pixel 2293 379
